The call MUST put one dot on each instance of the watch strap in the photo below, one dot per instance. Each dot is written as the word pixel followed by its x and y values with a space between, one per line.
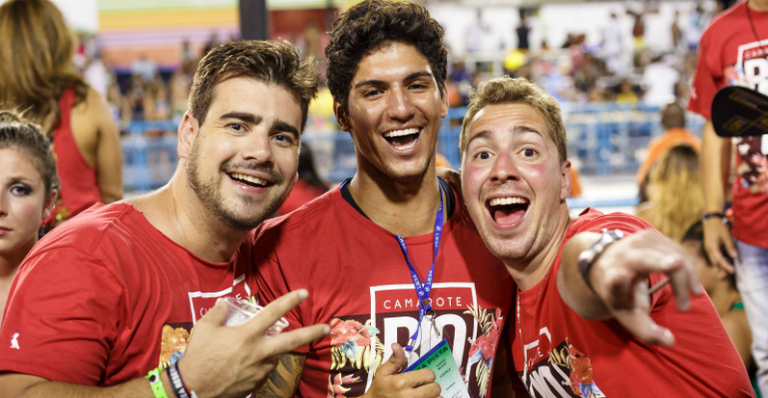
pixel 156 383
pixel 588 257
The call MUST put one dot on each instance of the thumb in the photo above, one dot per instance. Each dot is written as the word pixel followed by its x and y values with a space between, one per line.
pixel 396 361
pixel 217 315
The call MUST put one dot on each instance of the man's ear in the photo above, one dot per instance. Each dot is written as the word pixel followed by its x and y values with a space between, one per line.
pixel 341 116
pixel 444 99
pixel 187 131
pixel 565 188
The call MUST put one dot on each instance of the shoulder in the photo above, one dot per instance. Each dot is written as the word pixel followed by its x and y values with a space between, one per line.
pixel 725 20
pixel 591 220
pixel 736 324
pixel 94 107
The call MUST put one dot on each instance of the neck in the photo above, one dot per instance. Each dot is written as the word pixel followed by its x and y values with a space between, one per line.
pixel 405 208
pixel 723 297
pixel 176 211
pixel 533 267
pixel 10 262
pixel 758 5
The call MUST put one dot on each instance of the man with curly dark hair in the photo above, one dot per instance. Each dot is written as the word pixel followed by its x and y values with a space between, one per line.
pixel 390 256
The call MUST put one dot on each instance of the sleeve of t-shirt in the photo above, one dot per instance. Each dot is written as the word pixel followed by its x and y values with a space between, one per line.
pixel 272 284
pixel 628 225
pixel 704 85
pixel 61 318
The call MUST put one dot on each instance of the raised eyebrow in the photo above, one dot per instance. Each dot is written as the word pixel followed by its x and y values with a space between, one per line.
pixel 369 83
pixel 244 116
pixel 484 134
pixel 416 75
pixel 285 126
pixel 526 129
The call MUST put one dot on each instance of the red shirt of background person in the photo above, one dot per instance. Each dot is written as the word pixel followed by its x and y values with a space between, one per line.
pixel 112 295
pixel 36 75
pixel 515 180
pixel 27 193
pixel 675 133
pixel 307 187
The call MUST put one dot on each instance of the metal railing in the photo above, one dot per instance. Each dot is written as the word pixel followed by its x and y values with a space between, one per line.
pixel 603 138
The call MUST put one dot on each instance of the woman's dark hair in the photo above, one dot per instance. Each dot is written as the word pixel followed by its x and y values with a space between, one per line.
pixel 696 234
pixel 373 23
pixel 29 138
pixel 307 170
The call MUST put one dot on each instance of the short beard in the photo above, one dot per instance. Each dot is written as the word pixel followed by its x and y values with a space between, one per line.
pixel 210 196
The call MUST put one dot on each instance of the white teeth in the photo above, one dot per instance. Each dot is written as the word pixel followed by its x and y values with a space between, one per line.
pixel 400 133
pixel 507 201
pixel 253 180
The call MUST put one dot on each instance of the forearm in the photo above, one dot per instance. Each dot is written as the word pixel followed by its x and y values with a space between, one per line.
pixel 715 164
pixel 284 380
pixel 137 388
pixel 571 285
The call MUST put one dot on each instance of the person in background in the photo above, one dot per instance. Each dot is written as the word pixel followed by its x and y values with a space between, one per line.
pixel 730 54
pixel 626 92
pixel 721 288
pixel 27 192
pixel 674 190
pixel 36 75
pixel 307 187
pixel 675 133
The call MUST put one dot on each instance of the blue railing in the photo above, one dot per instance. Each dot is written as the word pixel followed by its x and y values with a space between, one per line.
pixel 604 138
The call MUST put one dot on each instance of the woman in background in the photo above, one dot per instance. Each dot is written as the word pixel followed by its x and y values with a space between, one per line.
pixel 674 192
pixel 27 193
pixel 37 77
pixel 308 187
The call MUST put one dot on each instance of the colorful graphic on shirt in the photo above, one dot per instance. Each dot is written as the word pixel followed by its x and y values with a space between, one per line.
pixel 361 343
pixel 175 335
pixel 752 72
pixel 565 372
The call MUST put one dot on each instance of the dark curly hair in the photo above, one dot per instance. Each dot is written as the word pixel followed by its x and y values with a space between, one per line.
pixel 373 23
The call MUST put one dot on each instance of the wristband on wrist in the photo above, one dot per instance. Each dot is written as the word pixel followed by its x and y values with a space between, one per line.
pixel 588 257
pixel 712 215
pixel 156 383
pixel 179 388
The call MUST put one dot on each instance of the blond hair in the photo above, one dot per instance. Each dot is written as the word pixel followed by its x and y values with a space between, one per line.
pixel 506 90
pixel 675 192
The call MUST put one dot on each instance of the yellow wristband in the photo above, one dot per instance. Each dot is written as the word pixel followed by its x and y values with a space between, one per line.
pixel 156 383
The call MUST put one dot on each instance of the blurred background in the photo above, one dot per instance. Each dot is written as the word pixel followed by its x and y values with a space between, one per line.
pixel 613 66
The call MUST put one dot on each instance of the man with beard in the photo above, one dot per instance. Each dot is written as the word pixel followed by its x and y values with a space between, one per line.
pixel 587 317
pixel 112 295
pixel 390 256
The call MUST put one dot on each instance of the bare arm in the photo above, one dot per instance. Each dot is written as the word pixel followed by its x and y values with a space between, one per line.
pixel 109 157
pixel 27 386
pixel 735 323
pixel 285 379
pixel 715 164
pixel 620 280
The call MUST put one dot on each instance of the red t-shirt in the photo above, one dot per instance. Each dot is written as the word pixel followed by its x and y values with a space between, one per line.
pixel 732 55
pixel 360 284
pixel 568 356
pixel 301 194
pixel 106 297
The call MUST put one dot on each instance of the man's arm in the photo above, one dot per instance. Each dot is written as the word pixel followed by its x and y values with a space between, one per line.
pixel 715 164
pixel 219 361
pixel 619 277
pixel 285 378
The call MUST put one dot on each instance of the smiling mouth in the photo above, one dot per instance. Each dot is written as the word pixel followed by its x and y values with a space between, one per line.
pixel 403 139
pixel 249 180
pixel 507 210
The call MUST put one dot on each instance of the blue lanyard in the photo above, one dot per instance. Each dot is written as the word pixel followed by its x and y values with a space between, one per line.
pixel 423 290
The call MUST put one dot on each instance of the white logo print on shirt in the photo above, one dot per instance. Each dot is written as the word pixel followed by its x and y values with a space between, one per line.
pixel 15 342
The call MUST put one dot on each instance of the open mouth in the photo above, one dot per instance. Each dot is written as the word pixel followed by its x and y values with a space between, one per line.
pixel 507 210
pixel 250 181
pixel 403 139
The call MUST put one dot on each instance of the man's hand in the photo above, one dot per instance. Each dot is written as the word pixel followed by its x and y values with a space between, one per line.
pixel 415 384
pixel 717 235
pixel 620 280
pixel 222 361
